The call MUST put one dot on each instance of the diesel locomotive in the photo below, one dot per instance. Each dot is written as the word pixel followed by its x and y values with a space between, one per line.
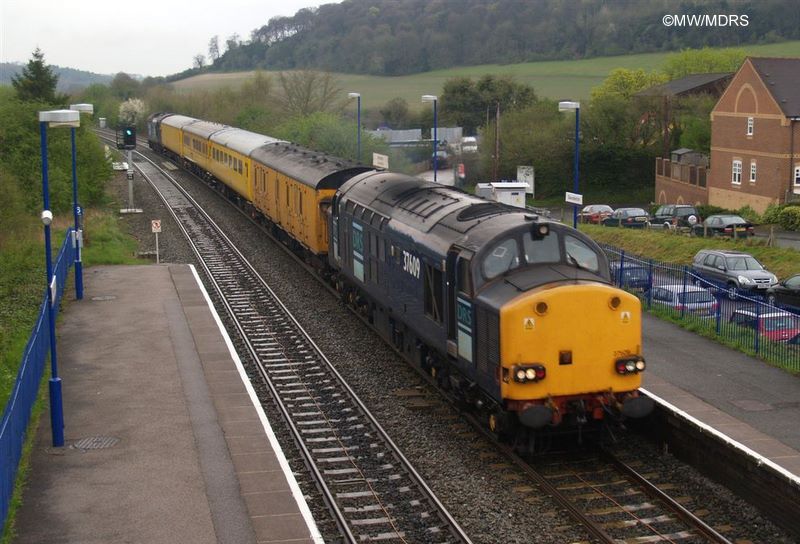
pixel 514 314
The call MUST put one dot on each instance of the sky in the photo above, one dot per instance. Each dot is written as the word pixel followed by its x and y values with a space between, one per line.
pixel 145 37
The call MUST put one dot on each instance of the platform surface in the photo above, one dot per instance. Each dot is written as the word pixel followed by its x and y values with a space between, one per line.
pixel 744 398
pixel 163 441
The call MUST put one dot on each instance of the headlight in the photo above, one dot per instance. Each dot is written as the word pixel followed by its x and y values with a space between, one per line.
pixel 774 280
pixel 744 280
pixel 529 373
pixel 640 365
pixel 630 366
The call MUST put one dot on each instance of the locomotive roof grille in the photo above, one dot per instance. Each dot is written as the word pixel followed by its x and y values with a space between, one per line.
pixel 476 211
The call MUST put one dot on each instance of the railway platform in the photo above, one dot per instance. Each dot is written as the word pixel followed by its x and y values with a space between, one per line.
pixel 747 403
pixel 165 440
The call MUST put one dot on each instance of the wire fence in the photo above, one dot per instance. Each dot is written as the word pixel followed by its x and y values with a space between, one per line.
pixel 741 319
pixel 17 412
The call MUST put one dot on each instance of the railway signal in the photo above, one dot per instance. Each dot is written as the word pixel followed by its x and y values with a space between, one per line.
pixel 126 138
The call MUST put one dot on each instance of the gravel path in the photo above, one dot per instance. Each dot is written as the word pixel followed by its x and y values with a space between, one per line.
pixel 486 500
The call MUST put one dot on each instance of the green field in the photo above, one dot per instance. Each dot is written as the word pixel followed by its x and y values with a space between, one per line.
pixel 552 79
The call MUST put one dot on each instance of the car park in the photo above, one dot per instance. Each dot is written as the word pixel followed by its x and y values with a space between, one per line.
pixel 775 325
pixel 595 213
pixel 672 216
pixel 627 217
pixel 724 225
pixel 785 293
pixel 633 276
pixel 690 298
pixel 732 270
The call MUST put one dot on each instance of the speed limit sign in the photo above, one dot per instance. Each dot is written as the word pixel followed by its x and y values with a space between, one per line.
pixel 155 224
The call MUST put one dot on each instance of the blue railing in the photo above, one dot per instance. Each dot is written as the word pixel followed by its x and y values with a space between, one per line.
pixel 740 318
pixel 17 412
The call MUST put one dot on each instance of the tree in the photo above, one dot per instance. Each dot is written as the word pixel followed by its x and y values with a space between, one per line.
pixel 131 111
pixel 199 60
pixel 465 102
pixel 213 48
pixel 232 42
pixel 124 86
pixel 395 113
pixel 701 61
pixel 306 92
pixel 624 83
pixel 37 82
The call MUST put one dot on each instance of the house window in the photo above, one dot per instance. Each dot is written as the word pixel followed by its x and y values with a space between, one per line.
pixel 736 176
pixel 752 171
pixel 750 123
pixel 796 174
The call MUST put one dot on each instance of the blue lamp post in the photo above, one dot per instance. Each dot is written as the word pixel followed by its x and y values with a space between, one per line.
pixel 567 106
pixel 76 210
pixel 54 118
pixel 433 98
pixel 358 121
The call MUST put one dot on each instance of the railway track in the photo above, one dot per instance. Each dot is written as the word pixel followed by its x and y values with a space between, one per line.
pixel 372 491
pixel 612 501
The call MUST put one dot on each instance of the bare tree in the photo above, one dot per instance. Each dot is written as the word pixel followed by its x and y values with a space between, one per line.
pixel 213 48
pixel 199 60
pixel 307 92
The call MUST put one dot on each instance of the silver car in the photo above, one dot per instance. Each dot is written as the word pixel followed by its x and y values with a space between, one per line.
pixel 732 270
pixel 691 298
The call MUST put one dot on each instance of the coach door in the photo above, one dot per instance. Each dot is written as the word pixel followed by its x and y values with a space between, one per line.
pixel 459 306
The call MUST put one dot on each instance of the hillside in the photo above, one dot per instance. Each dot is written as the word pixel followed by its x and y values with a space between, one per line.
pixel 554 79
pixel 69 79
pixel 392 38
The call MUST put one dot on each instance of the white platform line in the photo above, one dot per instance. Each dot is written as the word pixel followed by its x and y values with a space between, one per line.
pixel 287 471
pixel 761 460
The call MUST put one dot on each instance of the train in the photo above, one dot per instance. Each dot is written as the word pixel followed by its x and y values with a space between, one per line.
pixel 509 312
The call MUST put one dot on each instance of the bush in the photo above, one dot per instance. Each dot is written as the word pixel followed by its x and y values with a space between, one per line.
pixel 772 213
pixel 789 218
pixel 707 209
pixel 750 214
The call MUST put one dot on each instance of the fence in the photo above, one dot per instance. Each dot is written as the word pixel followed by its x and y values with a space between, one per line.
pixel 739 318
pixel 17 413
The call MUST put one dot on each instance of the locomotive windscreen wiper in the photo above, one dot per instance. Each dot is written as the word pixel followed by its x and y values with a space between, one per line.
pixel 574 261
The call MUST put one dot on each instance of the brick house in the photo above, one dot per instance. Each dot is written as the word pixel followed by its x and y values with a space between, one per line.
pixel 680 176
pixel 755 140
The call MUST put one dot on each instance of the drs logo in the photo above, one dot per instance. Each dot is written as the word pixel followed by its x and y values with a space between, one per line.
pixel 411 264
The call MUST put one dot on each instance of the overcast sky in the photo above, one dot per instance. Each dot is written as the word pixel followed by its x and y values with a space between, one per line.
pixel 146 37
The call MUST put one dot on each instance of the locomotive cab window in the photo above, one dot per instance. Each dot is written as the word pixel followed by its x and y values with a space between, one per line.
pixel 581 254
pixel 502 258
pixel 544 250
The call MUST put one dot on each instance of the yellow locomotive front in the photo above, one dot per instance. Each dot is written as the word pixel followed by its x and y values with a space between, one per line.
pixel 571 350
pixel 555 342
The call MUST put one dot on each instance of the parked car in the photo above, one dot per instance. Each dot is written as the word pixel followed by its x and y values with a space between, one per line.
pixel 595 213
pixel 690 298
pixel 627 217
pixel 785 293
pixel 634 276
pixel 442 160
pixel 672 216
pixel 775 325
pixel 734 270
pixel 469 144
pixel 724 225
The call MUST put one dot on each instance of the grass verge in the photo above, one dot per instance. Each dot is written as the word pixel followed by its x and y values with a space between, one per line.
pixel 21 290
